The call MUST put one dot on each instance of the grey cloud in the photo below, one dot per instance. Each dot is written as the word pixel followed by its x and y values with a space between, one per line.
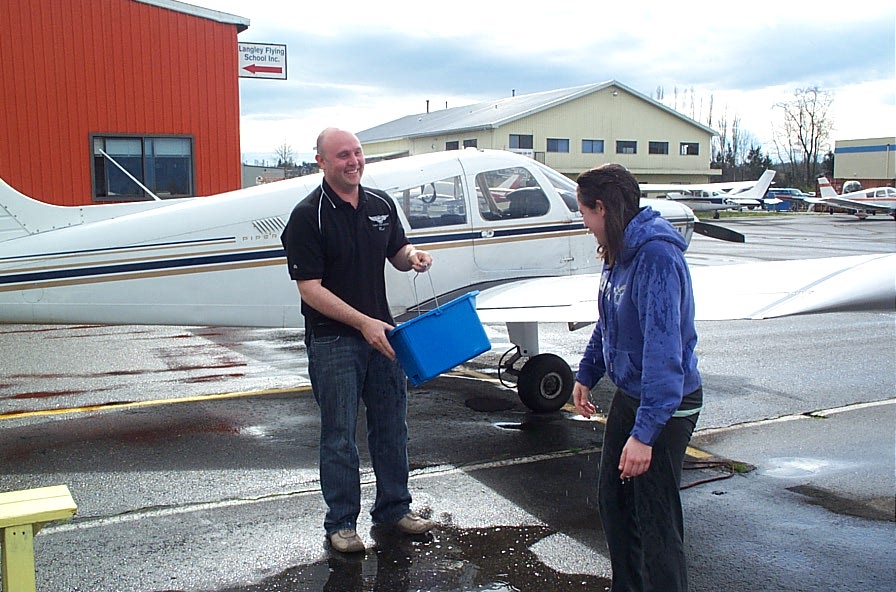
pixel 796 54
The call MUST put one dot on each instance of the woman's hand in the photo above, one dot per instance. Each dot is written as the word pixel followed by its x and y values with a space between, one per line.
pixel 635 458
pixel 581 396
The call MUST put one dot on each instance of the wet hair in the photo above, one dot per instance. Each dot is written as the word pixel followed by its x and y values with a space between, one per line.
pixel 617 189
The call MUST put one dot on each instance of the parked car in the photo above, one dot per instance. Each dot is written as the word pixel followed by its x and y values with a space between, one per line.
pixel 786 193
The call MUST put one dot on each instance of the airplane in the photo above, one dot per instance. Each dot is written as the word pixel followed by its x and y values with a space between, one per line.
pixel 862 202
pixel 712 197
pixel 217 260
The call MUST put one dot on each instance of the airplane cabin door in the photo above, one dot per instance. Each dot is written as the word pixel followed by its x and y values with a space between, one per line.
pixel 522 229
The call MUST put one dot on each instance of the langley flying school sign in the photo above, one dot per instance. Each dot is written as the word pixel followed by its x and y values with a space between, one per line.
pixel 262 60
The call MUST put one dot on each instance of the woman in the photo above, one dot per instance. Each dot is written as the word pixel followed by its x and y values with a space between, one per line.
pixel 644 340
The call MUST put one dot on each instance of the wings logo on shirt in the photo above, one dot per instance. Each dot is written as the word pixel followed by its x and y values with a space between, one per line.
pixel 379 222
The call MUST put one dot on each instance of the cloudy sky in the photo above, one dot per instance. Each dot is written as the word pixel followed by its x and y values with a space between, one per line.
pixel 356 64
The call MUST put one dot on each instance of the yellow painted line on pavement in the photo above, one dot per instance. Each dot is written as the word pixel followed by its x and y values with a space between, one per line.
pixel 135 404
pixel 697 453
pixel 690 451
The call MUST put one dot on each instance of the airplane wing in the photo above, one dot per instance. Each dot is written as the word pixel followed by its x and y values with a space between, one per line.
pixel 564 299
pixel 730 188
pixel 733 186
pixel 721 292
pixel 851 204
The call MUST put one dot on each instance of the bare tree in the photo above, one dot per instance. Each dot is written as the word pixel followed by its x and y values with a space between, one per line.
pixel 805 133
pixel 736 142
pixel 722 128
pixel 285 155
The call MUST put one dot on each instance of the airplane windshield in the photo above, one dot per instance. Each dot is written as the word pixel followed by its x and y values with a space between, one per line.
pixel 564 186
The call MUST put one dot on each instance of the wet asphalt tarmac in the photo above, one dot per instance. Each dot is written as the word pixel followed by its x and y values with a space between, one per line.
pixel 192 455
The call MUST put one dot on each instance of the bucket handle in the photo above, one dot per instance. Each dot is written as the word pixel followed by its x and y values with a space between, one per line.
pixel 432 287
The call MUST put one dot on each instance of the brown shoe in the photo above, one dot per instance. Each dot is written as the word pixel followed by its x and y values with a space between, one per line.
pixel 411 523
pixel 346 541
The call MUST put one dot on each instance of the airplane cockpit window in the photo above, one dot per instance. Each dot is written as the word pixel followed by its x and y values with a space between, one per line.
pixel 851 187
pixel 510 193
pixel 440 203
pixel 565 186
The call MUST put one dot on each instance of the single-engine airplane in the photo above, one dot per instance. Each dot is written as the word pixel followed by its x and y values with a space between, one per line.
pixel 218 261
pixel 862 202
pixel 713 197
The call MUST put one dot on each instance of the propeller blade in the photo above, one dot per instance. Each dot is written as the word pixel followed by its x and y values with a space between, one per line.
pixel 719 232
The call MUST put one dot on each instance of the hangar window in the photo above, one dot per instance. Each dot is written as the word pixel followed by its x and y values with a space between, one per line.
pixel 121 164
pixel 558 145
pixel 626 147
pixel 658 148
pixel 521 142
pixel 470 143
pixel 690 149
pixel 592 146
pixel 455 145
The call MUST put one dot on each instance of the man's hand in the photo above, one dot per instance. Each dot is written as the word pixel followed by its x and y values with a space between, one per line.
pixel 419 261
pixel 374 332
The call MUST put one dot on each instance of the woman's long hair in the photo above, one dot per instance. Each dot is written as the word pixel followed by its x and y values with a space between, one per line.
pixel 618 191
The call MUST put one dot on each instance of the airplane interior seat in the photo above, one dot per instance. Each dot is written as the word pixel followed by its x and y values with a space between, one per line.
pixel 419 221
pixel 526 202
pixel 449 219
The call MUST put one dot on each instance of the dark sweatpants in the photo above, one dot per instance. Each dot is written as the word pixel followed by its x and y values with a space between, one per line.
pixel 642 518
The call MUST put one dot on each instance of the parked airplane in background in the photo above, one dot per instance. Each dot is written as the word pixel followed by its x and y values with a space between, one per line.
pixel 862 202
pixel 712 197
pixel 493 221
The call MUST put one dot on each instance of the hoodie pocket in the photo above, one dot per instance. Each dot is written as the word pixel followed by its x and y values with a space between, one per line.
pixel 624 370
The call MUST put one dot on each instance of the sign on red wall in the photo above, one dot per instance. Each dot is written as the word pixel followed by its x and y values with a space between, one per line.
pixel 262 60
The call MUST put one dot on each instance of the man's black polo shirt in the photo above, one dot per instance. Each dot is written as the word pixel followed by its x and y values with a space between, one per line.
pixel 346 248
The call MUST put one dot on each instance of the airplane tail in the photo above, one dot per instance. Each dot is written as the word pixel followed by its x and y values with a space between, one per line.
pixel 16 210
pixel 825 187
pixel 21 215
pixel 759 190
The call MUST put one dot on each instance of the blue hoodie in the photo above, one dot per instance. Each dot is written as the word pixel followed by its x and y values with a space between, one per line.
pixel 644 338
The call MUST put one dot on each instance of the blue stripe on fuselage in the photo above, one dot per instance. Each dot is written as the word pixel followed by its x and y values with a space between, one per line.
pixel 183 264
pixel 141 266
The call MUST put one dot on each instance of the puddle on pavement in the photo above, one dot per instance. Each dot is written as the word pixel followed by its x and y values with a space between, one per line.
pixel 882 508
pixel 514 425
pixel 449 559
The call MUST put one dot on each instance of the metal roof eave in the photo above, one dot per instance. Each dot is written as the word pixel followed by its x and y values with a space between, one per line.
pixel 403 128
pixel 241 23
pixel 431 133
pixel 669 110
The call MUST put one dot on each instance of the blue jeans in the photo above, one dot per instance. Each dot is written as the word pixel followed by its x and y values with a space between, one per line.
pixel 346 370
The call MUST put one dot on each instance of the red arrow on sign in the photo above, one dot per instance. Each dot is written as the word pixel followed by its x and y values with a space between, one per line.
pixel 264 69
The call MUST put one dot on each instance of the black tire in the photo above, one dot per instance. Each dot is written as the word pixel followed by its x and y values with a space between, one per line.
pixel 545 383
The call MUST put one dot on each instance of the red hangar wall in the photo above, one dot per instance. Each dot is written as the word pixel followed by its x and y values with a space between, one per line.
pixel 99 94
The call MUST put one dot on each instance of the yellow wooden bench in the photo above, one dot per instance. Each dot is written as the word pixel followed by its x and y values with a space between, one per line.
pixel 22 514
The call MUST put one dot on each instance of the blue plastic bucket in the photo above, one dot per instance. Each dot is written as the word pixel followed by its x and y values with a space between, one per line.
pixel 440 339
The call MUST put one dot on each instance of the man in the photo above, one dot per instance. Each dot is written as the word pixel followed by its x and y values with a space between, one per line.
pixel 336 241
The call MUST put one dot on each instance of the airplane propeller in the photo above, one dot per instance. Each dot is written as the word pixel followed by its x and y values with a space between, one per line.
pixel 718 232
